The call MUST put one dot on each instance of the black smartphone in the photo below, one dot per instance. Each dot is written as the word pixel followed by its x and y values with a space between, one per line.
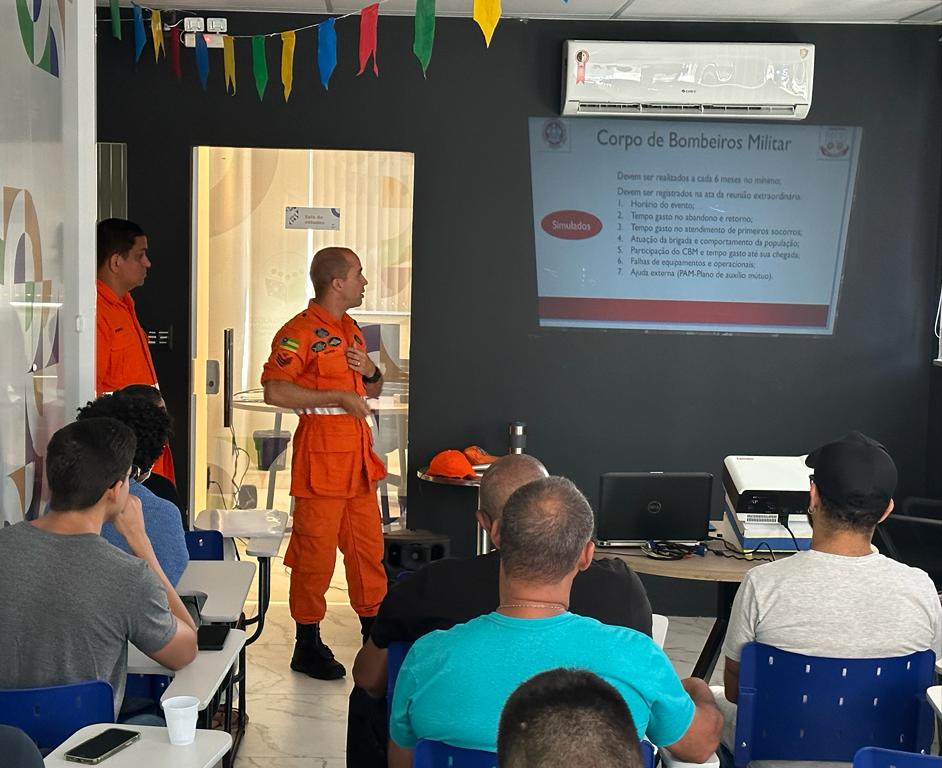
pixel 102 746
pixel 211 637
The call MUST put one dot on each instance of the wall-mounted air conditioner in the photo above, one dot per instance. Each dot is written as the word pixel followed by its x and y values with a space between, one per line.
pixel 765 81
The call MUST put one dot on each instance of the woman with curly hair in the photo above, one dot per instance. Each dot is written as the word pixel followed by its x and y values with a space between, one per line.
pixel 151 425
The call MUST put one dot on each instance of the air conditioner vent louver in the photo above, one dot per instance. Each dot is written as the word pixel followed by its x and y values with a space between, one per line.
pixel 684 109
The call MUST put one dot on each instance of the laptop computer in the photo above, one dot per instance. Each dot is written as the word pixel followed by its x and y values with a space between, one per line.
pixel 635 507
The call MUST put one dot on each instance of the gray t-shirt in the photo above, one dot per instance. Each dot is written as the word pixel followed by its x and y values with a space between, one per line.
pixel 819 604
pixel 70 605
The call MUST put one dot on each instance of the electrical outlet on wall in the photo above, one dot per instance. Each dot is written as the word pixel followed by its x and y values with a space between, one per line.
pixel 216 24
pixel 193 24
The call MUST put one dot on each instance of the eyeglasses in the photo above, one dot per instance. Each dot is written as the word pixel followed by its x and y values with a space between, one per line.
pixel 811 478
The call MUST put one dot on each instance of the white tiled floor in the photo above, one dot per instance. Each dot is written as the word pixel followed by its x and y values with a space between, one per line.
pixel 298 722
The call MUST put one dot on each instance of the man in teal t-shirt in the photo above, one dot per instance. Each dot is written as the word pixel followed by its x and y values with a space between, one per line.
pixel 453 684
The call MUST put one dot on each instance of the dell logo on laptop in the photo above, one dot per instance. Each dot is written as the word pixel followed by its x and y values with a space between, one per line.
pixel 654 507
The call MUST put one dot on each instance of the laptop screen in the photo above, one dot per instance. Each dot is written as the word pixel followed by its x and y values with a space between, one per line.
pixel 660 506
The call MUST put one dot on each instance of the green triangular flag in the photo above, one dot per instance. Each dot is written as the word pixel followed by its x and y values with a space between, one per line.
pixel 424 32
pixel 259 65
pixel 115 20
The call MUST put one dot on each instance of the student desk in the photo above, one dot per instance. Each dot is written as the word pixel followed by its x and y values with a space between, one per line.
pixel 154 749
pixel 264 530
pixel 225 584
pixel 727 572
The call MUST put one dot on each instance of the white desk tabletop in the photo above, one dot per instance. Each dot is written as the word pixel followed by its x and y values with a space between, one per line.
pixel 243 523
pixel 225 583
pixel 154 750
pixel 934 694
pixel 201 677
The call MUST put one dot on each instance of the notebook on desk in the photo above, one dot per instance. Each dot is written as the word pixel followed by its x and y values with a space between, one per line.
pixel 635 507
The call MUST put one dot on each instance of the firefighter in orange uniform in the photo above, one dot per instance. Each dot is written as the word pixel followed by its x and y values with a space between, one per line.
pixel 121 351
pixel 319 368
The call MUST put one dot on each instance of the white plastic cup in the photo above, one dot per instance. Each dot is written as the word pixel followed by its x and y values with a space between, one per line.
pixel 180 713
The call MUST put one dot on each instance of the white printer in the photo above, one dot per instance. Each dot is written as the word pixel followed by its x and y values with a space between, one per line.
pixel 760 488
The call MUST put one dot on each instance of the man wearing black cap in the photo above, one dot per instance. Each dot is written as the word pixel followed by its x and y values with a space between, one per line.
pixel 839 599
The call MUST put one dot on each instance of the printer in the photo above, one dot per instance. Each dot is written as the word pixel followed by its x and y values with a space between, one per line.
pixel 758 489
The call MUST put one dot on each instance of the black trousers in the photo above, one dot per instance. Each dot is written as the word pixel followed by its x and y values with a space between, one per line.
pixel 367 731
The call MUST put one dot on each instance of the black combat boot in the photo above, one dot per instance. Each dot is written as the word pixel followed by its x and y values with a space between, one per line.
pixel 312 657
pixel 366 624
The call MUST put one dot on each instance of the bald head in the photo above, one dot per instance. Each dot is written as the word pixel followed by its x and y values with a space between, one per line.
pixel 329 264
pixel 505 476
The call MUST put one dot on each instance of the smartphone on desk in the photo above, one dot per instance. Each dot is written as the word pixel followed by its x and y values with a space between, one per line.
pixel 211 637
pixel 102 746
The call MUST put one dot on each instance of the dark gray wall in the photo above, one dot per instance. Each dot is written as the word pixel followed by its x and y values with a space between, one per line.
pixel 594 401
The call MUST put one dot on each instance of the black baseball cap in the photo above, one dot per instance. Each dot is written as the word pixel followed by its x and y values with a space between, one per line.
pixel 854 471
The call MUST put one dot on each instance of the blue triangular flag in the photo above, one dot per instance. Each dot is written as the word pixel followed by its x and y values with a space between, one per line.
pixel 326 49
pixel 202 59
pixel 138 32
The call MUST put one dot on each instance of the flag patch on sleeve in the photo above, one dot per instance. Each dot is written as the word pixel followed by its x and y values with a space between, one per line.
pixel 288 343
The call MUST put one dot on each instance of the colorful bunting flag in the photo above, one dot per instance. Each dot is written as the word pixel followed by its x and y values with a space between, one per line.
pixel 259 65
pixel 424 32
pixel 138 32
pixel 115 20
pixel 228 62
pixel 157 32
pixel 369 20
pixel 287 61
pixel 175 53
pixel 202 59
pixel 487 14
pixel 326 49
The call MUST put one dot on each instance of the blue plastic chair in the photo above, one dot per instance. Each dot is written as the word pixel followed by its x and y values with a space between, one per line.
pixel 794 707
pixel 395 655
pixel 874 757
pixel 204 545
pixel 50 715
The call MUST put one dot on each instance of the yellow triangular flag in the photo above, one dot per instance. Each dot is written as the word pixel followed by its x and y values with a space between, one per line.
pixel 157 32
pixel 487 14
pixel 287 61
pixel 228 60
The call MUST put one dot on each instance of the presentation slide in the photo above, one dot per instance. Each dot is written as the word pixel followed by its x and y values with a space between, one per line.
pixel 690 226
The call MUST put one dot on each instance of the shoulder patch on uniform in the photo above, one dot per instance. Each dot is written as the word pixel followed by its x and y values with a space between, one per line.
pixel 318 346
pixel 334 341
pixel 322 333
pixel 282 360
pixel 288 343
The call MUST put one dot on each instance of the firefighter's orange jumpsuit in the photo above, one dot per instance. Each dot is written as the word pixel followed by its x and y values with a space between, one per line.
pixel 122 355
pixel 333 472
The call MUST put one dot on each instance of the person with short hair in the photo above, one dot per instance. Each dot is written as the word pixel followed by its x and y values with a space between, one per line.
pixel 151 426
pixel 453 684
pixel 73 601
pixel 567 717
pixel 455 590
pixel 841 598
pixel 121 350
pixel 319 368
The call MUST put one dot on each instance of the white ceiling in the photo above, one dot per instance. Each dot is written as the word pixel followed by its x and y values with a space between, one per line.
pixel 852 11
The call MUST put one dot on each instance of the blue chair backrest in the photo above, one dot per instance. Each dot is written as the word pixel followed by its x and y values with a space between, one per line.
pixel 204 545
pixel 395 655
pixel 437 754
pixel 50 715
pixel 794 707
pixel 874 757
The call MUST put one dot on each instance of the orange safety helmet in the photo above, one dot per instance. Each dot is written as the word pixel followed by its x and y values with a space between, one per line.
pixel 451 464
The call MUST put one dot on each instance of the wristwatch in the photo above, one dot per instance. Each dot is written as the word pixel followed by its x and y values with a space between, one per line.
pixel 377 375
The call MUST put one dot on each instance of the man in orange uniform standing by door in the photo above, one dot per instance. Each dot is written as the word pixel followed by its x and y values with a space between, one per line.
pixel 319 368
pixel 121 351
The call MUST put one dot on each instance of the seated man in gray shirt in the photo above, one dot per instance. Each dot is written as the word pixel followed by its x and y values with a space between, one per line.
pixel 840 599
pixel 73 601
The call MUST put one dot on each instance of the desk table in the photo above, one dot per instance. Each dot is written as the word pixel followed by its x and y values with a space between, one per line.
pixel 154 749
pixel 225 583
pixel 727 572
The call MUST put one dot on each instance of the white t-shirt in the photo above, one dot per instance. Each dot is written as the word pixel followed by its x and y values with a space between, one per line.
pixel 819 604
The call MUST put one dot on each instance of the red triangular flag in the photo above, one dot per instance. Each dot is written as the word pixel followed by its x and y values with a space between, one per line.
pixel 175 53
pixel 369 19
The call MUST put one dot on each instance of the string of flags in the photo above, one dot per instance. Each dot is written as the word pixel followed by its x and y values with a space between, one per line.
pixel 486 13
